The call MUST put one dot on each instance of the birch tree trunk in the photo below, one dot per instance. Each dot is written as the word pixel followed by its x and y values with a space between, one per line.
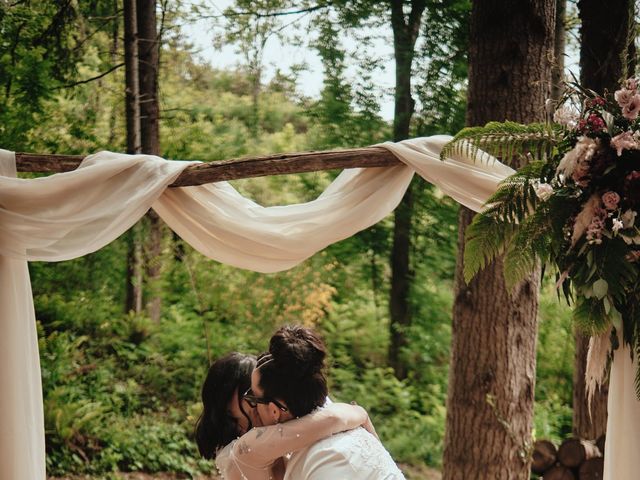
pixel 493 353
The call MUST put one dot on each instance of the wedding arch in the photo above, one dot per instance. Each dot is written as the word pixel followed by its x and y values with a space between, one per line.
pixel 79 210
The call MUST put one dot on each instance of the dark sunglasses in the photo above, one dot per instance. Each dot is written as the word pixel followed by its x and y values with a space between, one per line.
pixel 253 401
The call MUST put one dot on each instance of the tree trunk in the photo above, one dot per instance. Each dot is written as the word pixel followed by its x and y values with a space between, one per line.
pixel 557 72
pixel 493 352
pixel 604 46
pixel 587 424
pixel 115 59
pixel 604 41
pixel 148 65
pixel 405 34
pixel 133 300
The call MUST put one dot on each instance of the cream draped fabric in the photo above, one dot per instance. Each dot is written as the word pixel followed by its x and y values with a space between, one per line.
pixel 68 215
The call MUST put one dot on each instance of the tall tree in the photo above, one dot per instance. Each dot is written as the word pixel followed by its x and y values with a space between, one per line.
pixel 605 38
pixel 406 28
pixel 557 73
pixel 493 353
pixel 148 71
pixel 133 297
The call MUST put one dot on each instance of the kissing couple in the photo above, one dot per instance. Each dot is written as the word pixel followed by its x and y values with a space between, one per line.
pixel 270 418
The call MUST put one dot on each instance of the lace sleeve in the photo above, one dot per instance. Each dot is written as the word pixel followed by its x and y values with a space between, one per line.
pixel 259 447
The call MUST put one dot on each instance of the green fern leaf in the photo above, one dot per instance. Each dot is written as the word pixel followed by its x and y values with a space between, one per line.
pixel 504 140
pixel 486 238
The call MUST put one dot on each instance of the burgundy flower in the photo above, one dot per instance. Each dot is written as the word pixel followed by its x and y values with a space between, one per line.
pixel 596 123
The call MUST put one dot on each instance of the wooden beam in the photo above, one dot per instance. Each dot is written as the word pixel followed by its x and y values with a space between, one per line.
pixel 279 164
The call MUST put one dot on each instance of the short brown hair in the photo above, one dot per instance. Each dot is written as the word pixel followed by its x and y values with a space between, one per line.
pixel 294 369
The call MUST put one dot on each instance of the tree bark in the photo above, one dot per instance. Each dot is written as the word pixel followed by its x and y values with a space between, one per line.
pixel 604 48
pixel 604 42
pixel 133 299
pixel 148 67
pixel 493 352
pixel 557 72
pixel 405 34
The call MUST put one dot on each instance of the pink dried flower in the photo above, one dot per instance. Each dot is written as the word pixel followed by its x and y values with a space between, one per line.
pixel 623 97
pixel 630 110
pixel 590 210
pixel 580 173
pixel 610 200
pixel 581 154
pixel 623 141
pixel 631 83
pixel 594 230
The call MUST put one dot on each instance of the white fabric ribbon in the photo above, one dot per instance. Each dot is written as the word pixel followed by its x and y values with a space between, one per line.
pixel 22 454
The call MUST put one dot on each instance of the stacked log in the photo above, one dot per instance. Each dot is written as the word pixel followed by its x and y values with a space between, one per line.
pixel 576 459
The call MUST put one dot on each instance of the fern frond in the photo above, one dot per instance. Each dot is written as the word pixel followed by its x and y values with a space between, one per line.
pixel 528 246
pixel 590 316
pixel 504 140
pixel 486 238
pixel 515 197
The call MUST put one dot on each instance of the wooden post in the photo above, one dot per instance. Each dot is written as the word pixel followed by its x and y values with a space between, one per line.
pixel 234 169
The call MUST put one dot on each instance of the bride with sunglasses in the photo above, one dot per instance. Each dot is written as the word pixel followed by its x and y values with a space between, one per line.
pixel 230 430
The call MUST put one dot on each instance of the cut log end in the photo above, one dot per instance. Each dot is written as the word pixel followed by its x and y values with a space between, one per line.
pixel 574 451
pixel 592 469
pixel 545 456
pixel 559 472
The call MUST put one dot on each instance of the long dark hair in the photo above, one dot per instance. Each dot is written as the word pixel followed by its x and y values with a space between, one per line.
pixel 293 369
pixel 215 428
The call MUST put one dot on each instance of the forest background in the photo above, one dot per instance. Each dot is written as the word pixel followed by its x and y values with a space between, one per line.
pixel 121 385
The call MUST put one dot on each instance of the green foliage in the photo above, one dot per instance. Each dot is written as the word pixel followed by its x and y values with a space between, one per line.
pixel 504 140
pixel 441 68
pixel 42 43
pixel 554 367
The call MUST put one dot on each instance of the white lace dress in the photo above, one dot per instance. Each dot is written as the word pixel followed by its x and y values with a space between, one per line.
pixel 252 456
pixel 352 455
